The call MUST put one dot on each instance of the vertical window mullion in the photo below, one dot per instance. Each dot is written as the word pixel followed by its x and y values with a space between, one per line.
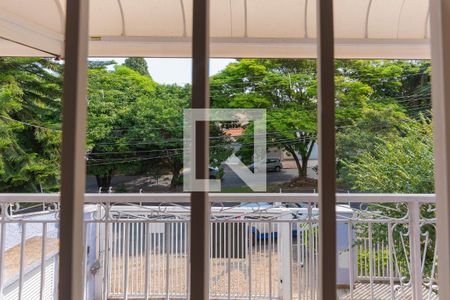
pixel 327 165
pixel 440 61
pixel 73 151
pixel 200 208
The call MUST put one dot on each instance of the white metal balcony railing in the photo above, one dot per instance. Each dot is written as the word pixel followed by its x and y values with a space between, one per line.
pixel 263 246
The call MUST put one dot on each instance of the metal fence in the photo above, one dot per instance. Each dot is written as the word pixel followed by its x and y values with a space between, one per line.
pixel 262 246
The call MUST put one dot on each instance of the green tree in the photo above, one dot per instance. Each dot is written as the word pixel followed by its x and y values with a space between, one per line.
pixel 139 64
pixel 377 123
pixel 30 100
pixel 287 89
pixel 407 83
pixel 136 126
pixel 159 121
pixel 400 164
pixel 399 161
pixel 112 96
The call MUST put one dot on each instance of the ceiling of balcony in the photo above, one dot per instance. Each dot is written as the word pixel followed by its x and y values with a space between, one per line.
pixel 239 28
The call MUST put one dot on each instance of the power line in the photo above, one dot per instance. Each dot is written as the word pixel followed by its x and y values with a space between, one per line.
pixel 310 137
pixel 406 99
pixel 251 79
pixel 29 124
pixel 135 159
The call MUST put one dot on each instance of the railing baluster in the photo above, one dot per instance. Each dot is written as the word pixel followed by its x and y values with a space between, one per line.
pixel 169 259
pixel 119 258
pixel 433 269
pixel 310 270
pixel 161 268
pixel 378 259
pixel 43 262
pixel 239 247
pixel 414 250
pixel 135 267
pixel 299 261
pixel 249 243
pixel 22 258
pixel 358 255
pixel 372 294
pixel 106 254
pixel 261 260
pixel 290 258
pixel 305 264
pixel 212 250
pixel 112 261
pixel 139 267
pixel 132 257
pixel 270 259
pixel 126 257
pixel 188 265
pixel 147 259
pixel 142 266
pixel 176 279
pixel 228 264
pixel 351 259
pixel 383 264
pixel 391 260
pixel 141 254
pixel 84 261
pixel 166 251
pixel 317 260
pixel 4 207
pixel 222 254
pixel 173 261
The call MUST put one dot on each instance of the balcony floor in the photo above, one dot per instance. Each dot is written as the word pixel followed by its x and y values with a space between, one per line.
pixel 382 291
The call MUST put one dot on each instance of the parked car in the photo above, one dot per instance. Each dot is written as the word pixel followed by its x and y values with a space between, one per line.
pixel 214 172
pixel 259 231
pixel 272 164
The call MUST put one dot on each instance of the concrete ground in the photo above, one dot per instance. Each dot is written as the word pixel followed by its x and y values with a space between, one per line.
pixel 229 181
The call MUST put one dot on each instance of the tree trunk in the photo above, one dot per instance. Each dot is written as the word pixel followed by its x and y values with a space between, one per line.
pixel 176 168
pixel 304 167
pixel 104 182
pixel 300 165
pixel 306 157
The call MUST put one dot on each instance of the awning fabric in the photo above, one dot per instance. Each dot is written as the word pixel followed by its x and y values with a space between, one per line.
pixel 239 28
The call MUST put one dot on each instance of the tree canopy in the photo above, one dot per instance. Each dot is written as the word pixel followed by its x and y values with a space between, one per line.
pixel 139 64
pixel 111 98
pixel 287 88
pixel 30 101
pixel 403 164
pixel 135 124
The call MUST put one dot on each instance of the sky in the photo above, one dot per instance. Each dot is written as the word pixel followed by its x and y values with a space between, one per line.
pixel 175 70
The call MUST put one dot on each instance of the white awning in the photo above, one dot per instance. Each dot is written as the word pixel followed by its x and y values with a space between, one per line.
pixel 239 28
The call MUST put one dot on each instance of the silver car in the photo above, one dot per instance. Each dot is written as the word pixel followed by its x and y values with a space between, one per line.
pixel 272 164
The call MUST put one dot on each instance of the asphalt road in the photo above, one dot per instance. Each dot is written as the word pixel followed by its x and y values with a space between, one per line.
pixel 230 179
